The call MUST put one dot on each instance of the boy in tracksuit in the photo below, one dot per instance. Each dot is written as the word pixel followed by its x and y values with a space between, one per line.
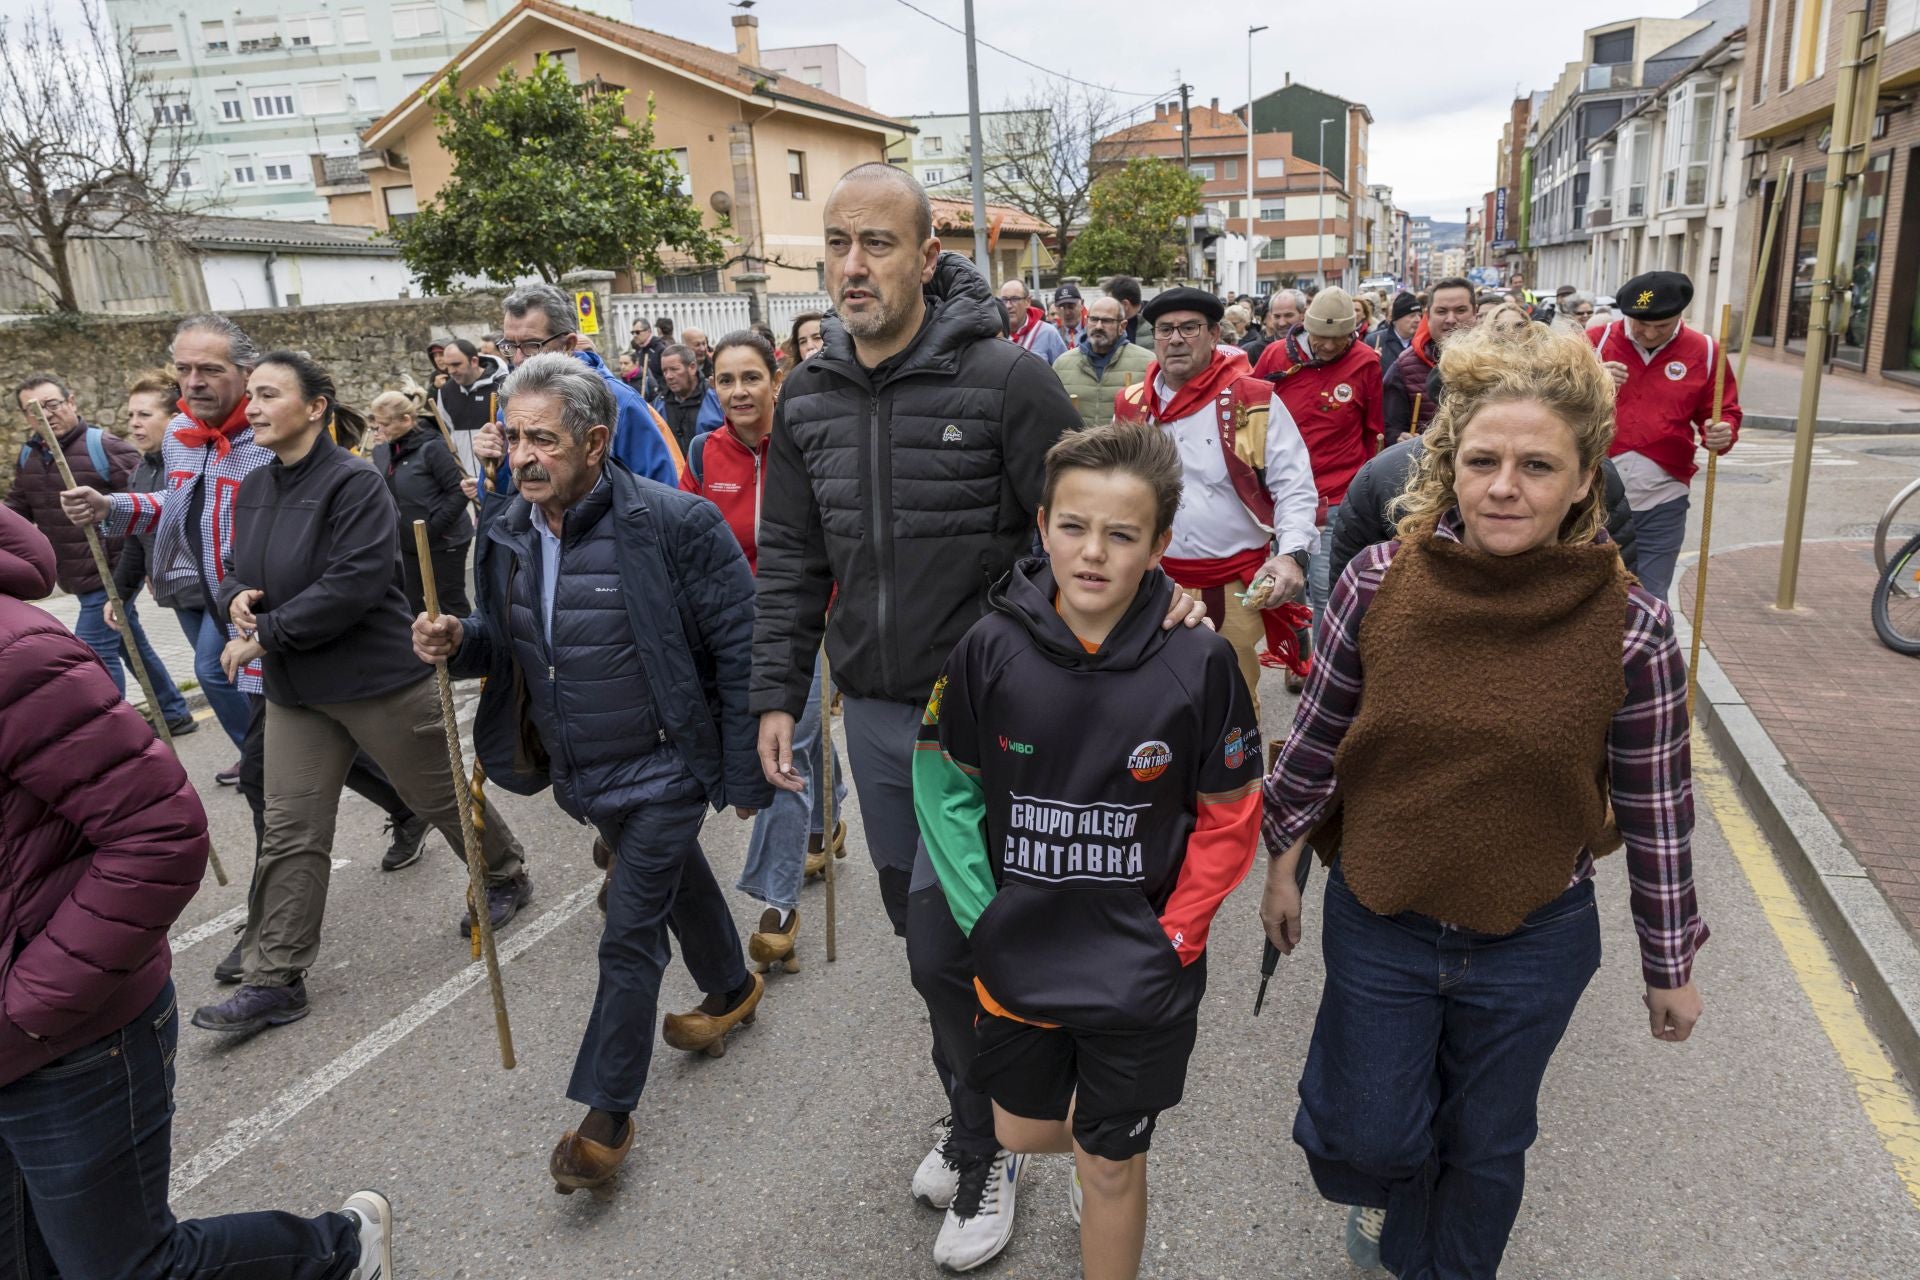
pixel 1088 787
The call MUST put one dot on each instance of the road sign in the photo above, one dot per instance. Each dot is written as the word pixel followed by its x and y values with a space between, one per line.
pixel 589 311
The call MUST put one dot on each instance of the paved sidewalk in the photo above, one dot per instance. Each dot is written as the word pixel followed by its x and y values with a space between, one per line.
pixel 1843 710
pixel 1771 397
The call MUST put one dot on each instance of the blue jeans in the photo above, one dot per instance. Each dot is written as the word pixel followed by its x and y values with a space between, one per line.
pixel 1423 1077
pixel 661 885
pixel 777 850
pixel 85 1144
pixel 208 637
pixel 93 630
pixel 1657 535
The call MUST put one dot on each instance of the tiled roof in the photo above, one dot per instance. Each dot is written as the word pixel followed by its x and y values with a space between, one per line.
pixel 957 215
pixel 714 65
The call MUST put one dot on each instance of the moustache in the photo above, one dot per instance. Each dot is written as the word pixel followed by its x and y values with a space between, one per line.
pixel 534 471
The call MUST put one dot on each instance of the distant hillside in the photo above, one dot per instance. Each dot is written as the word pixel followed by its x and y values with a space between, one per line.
pixel 1449 235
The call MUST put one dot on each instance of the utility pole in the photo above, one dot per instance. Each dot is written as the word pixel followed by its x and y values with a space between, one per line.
pixel 1320 222
pixel 1186 165
pixel 1846 153
pixel 978 165
pixel 1253 263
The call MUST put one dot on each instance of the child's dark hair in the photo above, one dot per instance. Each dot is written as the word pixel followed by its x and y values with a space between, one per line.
pixel 1145 452
pixel 347 425
pixel 752 341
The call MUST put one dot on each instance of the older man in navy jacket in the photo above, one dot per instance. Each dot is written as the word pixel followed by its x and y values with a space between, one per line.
pixel 637 726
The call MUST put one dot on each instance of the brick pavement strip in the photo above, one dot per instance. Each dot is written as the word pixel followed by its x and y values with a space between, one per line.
pixel 1843 709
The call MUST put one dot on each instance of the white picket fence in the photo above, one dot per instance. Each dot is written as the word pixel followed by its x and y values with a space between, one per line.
pixel 714 314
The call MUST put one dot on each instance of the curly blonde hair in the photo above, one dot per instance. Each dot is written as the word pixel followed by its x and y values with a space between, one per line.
pixel 1484 367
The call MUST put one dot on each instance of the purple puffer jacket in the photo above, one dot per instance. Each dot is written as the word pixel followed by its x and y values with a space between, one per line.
pixel 102 839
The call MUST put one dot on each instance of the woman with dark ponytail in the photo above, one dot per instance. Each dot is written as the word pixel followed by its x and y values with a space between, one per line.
pixel 312 583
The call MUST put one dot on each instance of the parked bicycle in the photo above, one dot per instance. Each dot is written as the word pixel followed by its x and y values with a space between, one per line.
pixel 1896 596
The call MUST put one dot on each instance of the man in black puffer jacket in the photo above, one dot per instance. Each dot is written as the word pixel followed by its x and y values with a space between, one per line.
pixel 1364 518
pixel 906 466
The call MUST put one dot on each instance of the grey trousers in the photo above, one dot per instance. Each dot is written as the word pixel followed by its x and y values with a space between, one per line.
pixel 309 750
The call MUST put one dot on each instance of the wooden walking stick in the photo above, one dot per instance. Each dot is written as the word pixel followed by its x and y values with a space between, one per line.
pixel 827 816
pixel 1413 423
pixel 469 835
pixel 1706 513
pixel 127 643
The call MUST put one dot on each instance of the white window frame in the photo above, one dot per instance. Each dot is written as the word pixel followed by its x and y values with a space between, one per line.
pixel 797 183
pixel 1203 170
pixel 277 95
pixel 682 160
pixel 323 98
pixel 158 41
pixel 245 170
pixel 261 33
pixel 933 146
pixel 229 106
pixel 416 21
pixel 172 108
pixel 290 165
pixel 365 94
pixel 310 30
pixel 191 177
pixel 213 36
pixel 932 177
pixel 353 27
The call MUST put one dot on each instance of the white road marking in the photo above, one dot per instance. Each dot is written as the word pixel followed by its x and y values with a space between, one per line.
pixel 201 932
pixel 1768 453
pixel 243 1135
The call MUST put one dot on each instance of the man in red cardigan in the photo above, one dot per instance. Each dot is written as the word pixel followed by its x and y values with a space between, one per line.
pixel 1664 410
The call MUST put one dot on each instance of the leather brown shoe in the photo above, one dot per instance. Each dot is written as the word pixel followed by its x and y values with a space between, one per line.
pixel 581 1162
pixel 699 1031
pixel 770 944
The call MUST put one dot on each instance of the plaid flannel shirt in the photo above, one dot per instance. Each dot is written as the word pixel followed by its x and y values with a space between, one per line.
pixel 1649 760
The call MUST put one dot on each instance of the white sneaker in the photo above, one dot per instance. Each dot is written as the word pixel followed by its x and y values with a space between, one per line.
pixel 375 1216
pixel 938 1176
pixel 980 1220
pixel 1074 1196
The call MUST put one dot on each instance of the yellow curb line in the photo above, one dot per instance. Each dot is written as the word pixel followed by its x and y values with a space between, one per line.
pixel 1884 1098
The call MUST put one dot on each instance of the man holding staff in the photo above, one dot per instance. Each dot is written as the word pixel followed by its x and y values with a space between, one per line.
pixel 587 692
pixel 1663 374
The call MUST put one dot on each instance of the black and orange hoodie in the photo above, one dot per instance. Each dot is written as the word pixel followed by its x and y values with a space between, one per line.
pixel 1088 812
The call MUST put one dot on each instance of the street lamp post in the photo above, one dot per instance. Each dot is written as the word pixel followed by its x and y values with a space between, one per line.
pixel 977 165
pixel 1253 263
pixel 1320 228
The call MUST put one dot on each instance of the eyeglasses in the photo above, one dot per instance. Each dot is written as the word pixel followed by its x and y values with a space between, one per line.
pixel 1188 329
pixel 46 405
pixel 527 348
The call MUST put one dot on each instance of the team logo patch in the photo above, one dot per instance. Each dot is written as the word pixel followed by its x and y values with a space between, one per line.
pixel 1675 371
pixel 1149 760
pixel 1236 749
pixel 951 435
pixel 933 701
pixel 1343 393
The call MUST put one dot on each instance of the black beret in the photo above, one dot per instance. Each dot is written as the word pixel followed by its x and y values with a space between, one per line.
pixel 1183 299
pixel 1657 295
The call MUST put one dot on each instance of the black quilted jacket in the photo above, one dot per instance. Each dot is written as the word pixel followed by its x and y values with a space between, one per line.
pixel 912 487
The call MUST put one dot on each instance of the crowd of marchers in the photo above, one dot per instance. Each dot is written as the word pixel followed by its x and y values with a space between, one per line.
pixel 1046 551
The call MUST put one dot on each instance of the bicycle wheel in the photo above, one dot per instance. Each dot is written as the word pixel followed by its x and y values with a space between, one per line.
pixel 1888 519
pixel 1896 601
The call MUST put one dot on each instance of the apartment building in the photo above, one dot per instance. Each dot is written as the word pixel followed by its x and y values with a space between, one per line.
pixel 268 89
pixel 823 66
pixel 1787 93
pixel 1331 132
pixel 938 149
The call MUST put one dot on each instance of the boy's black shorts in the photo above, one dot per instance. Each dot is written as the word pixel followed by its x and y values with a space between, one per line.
pixel 1117 1083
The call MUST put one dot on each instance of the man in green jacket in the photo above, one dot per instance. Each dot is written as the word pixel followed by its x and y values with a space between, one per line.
pixel 1101 364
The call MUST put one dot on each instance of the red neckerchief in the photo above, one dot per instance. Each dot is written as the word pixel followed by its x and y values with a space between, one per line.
pixel 1229 363
pixel 1034 316
pixel 1423 345
pixel 199 435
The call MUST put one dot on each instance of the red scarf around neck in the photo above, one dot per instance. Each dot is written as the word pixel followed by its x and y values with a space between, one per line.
pixel 1229 363
pixel 199 435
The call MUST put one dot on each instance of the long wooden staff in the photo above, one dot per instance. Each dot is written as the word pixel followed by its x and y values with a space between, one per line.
pixel 1706 513
pixel 827 815
pixel 127 642
pixel 1413 423
pixel 469 836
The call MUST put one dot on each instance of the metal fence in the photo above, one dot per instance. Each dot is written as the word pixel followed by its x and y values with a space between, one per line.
pixel 714 314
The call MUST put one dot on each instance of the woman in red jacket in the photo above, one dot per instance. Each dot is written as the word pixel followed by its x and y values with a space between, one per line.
pixel 727 466
pixel 102 843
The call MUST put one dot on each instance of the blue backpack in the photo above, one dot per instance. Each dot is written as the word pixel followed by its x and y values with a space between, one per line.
pixel 96 450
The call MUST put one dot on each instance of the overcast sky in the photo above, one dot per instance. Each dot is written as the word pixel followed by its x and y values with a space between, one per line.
pixel 1439 78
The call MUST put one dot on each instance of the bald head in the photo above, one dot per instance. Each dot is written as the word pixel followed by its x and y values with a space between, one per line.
pixel 902 187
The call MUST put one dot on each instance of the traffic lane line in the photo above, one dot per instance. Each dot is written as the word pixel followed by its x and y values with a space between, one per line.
pixel 201 932
pixel 243 1135
pixel 1888 1105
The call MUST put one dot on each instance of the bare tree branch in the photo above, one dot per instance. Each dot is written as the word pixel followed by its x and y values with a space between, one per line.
pixel 90 146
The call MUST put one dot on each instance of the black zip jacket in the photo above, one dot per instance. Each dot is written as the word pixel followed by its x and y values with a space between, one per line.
pixel 1364 519
pixel 1087 813
pixel 321 539
pixel 425 482
pixel 911 486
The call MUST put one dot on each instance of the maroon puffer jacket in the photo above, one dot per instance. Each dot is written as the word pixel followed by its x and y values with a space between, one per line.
pixel 36 495
pixel 102 839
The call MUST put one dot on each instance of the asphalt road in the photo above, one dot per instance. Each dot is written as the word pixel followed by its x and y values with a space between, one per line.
pixel 1743 1152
